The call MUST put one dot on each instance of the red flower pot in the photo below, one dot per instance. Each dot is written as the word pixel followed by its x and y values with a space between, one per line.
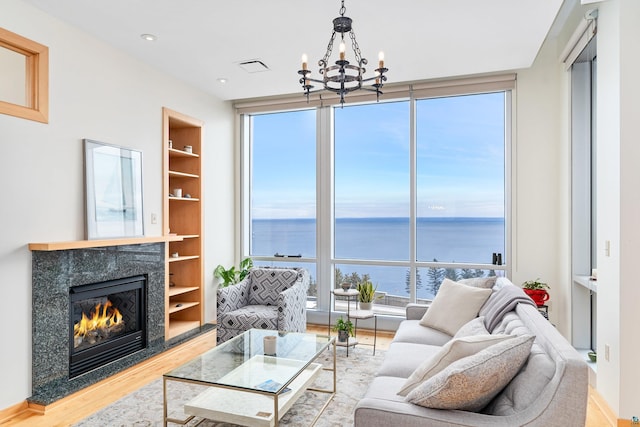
pixel 539 296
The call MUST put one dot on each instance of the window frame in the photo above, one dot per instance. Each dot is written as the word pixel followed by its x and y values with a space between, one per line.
pixel 325 257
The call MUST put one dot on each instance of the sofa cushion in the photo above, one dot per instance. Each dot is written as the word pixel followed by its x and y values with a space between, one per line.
pixel 267 283
pixel 472 327
pixel 453 306
pixel 470 383
pixel 412 331
pixel 251 316
pixel 403 358
pixel 531 380
pixel 455 349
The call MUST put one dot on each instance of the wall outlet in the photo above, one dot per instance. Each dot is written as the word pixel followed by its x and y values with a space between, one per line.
pixel 606 352
pixel 154 218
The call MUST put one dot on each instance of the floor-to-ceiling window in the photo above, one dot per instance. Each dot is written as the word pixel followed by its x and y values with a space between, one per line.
pixel 402 193
pixel 460 187
pixel 282 178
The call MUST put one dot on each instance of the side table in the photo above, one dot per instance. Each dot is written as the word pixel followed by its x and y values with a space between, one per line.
pixel 353 314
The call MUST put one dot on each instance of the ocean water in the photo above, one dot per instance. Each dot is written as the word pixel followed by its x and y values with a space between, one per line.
pixel 464 240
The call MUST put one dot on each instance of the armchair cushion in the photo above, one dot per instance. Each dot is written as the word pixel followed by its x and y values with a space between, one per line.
pixel 251 316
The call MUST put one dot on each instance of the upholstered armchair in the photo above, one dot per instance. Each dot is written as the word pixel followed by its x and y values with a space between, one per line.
pixel 268 298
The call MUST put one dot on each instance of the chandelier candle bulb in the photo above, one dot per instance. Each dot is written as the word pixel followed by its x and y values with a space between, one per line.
pixel 380 60
pixel 304 62
pixel 342 50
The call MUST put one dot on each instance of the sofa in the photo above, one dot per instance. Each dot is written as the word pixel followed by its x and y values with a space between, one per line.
pixel 547 385
pixel 267 298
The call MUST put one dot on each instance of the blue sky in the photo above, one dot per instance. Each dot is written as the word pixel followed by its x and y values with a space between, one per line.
pixel 460 160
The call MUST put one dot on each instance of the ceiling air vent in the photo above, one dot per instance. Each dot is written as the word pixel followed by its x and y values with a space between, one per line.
pixel 253 66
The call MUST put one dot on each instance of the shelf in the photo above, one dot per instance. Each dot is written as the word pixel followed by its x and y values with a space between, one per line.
pixel 347 293
pixel 183 216
pixel 83 244
pixel 361 314
pixel 350 343
pixel 173 307
pixel 178 327
pixel 176 174
pixel 178 290
pixel 183 258
pixel 184 199
pixel 181 153
pixel 586 281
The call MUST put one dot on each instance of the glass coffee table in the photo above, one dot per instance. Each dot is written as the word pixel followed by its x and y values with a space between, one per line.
pixel 248 387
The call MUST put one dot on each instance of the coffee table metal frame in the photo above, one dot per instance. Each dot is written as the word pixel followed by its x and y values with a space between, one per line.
pixel 331 341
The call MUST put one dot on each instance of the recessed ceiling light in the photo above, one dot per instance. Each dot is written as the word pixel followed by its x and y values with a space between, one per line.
pixel 149 37
pixel 222 80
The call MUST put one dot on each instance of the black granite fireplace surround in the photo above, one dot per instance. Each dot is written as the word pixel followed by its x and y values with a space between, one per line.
pixel 55 273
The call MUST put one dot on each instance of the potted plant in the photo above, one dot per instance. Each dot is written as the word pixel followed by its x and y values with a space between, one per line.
pixel 232 276
pixel 367 293
pixel 537 290
pixel 344 329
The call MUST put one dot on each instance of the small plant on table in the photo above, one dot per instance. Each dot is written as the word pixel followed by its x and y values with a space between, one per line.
pixel 344 329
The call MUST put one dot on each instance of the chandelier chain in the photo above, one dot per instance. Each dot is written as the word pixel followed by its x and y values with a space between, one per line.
pixel 342 9
pixel 325 59
pixel 356 48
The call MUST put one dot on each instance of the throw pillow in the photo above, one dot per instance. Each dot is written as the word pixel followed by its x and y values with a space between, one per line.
pixel 453 306
pixel 470 383
pixel 480 282
pixel 472 327
pixel 455 349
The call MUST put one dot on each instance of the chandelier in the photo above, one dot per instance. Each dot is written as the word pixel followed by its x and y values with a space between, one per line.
pixel 343 77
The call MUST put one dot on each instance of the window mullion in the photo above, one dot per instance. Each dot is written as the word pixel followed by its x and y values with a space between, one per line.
pixel 413 199
pixel 324 206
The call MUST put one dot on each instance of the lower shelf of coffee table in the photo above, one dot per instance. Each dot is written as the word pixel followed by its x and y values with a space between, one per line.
pixel 248 408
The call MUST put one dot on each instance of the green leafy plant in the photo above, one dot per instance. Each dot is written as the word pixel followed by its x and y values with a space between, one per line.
pixel 232 276
pixel 342 325
pixel 535 284
pixel 367 291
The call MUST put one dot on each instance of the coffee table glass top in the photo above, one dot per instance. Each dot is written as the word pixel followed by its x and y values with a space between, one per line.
pixel 241 362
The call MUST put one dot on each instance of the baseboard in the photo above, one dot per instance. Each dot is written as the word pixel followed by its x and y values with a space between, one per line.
pixel 7 414
pixel 606 410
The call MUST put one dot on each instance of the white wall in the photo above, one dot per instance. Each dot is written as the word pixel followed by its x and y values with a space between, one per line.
pixel 618 204
pixel 99 93
pixel 540 182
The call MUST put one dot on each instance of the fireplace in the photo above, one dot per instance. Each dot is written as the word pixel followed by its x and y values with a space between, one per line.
pixel 107 321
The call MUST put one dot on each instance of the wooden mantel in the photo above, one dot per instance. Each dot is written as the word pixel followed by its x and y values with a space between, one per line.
pixel 83 244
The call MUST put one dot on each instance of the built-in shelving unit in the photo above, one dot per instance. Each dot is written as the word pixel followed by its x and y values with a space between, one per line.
pixel 184 296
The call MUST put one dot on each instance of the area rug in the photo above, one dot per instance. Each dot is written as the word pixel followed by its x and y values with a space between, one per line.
pixel 143 407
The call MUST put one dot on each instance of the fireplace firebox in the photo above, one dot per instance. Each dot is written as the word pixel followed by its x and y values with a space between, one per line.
pixel 107 321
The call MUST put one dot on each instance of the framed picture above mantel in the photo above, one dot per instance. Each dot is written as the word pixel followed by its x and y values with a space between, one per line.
pixel 113 191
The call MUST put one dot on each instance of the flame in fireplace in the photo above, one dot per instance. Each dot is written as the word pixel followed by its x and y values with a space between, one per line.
pixel 103 318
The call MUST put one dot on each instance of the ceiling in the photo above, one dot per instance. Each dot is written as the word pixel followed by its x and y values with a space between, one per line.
pixel 201 41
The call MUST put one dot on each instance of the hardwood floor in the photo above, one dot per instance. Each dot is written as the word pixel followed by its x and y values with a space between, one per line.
pixel 85 402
